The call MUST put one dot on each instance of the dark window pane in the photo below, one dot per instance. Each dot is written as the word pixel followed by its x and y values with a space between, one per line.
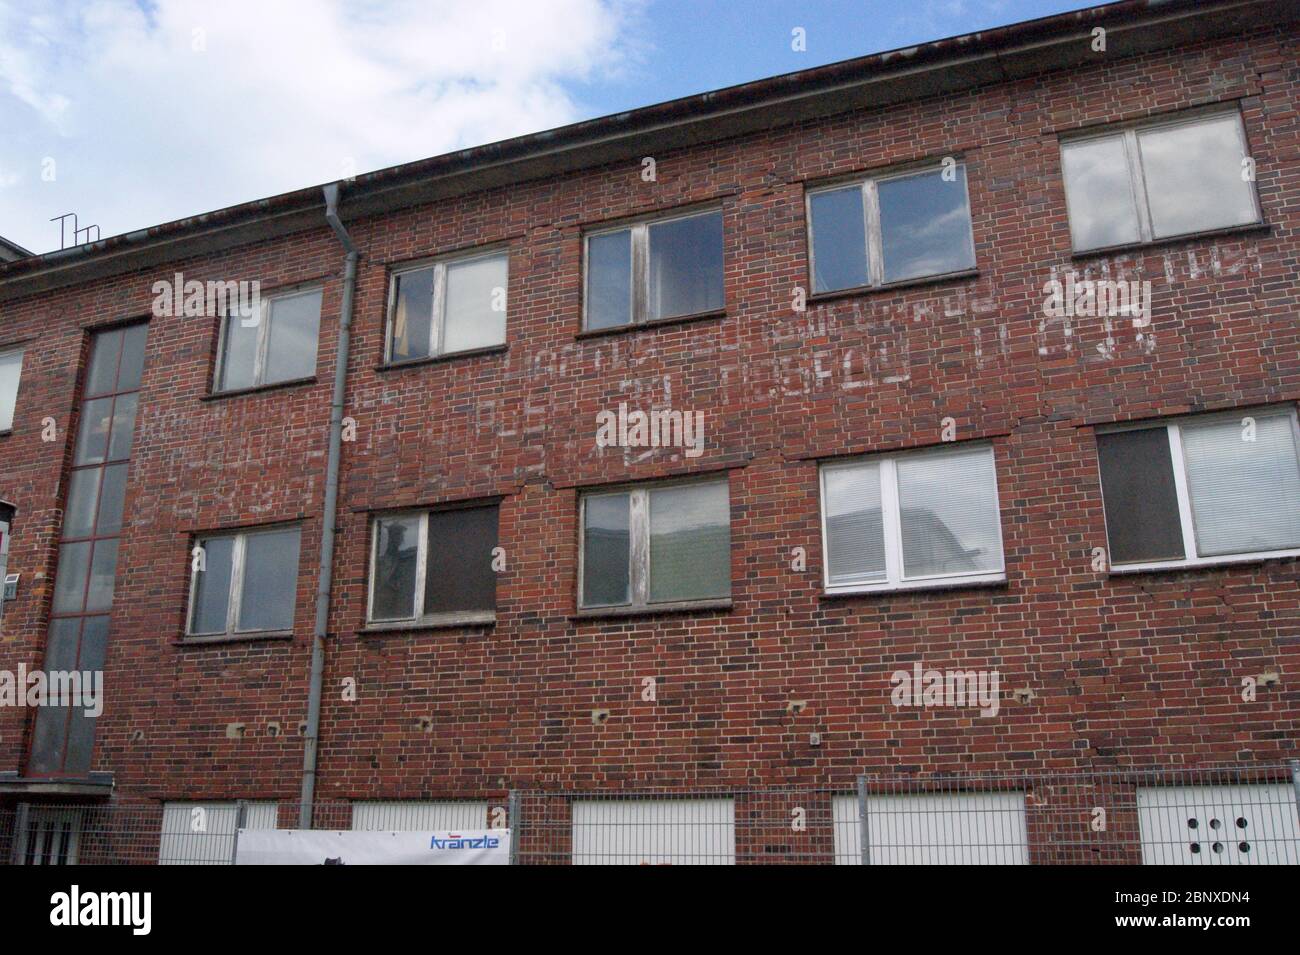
pixel 83 493
pixel 606 573
pixel 111 499
pixel 1102 209
pixel 119 442
pixel 686 266
pixel 61 649
pixel 609 279
pixel 101 375
pixel 81 728
pixel 270 581
pixel 92 433
pixel 239 352
pixel 49 736
pixel 412 315
pixel 133 338
pixel 396 549
pixel 70 579
pixel 925 225
pixel 839 239
pixel 212 586
pixel 103 573
pixel 459 574
pixel 1137 486
pixel 295 331
pixel 690 543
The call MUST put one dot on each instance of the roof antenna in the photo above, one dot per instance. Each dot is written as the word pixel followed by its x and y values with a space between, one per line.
pixel 76 233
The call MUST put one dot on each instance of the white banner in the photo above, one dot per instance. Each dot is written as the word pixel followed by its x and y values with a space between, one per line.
pixel 330 847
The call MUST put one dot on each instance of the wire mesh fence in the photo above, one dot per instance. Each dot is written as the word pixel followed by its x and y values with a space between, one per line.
pixel 1197 816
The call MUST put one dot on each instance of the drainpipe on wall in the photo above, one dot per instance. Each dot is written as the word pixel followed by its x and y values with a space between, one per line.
pixel 331 507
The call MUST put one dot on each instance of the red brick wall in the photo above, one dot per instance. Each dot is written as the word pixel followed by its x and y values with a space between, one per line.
pixel 1130 670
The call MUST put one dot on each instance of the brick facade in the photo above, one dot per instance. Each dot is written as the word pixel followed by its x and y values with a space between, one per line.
pixel 1128 670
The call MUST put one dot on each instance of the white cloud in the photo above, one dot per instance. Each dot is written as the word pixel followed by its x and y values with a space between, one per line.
pixel 154 111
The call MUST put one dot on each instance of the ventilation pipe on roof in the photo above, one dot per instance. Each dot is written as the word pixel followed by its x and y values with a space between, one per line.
pixel 330 511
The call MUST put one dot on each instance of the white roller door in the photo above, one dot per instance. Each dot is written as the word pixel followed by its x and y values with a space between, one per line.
pixel 654 832
pixel 1219 825
pixel 934 829
pixel 420 816
pixel 203 833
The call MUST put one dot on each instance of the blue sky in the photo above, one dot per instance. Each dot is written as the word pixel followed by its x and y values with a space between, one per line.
pixel 136 112
pixel 697 45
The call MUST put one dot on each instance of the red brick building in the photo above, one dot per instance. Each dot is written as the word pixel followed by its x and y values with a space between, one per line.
pixel 901 460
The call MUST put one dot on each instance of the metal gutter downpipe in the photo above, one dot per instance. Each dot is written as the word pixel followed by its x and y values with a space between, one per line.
pixel 330 511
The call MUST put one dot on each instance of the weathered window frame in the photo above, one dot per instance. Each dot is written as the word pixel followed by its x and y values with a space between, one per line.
pixel 234 599
pixel 639 547
pixel 875 252
pixel 265 318
pixel 1129 132
pixel 437 320
pixel 639 276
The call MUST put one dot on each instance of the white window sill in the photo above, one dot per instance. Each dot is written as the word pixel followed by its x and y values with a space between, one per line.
pixel 1201 563
pixel 909 586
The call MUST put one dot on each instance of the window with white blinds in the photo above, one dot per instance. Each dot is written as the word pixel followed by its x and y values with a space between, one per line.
pixel 924 518
pixel 1202 490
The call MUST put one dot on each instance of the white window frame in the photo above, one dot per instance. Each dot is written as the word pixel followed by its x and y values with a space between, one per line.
pixel 639 277
pixel 891 521
pixel 236 595
pixel 1178 461
pixel 21 352
pixel 638 527
pixel 1137 175
pixel 438 319
pixel 872 230
pixel 265 317
pixel 421 573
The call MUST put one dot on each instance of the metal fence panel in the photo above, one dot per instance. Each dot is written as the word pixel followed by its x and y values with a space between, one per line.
pixel 1244 815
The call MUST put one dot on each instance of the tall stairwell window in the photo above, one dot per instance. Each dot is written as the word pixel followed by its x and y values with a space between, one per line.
pixel 92 524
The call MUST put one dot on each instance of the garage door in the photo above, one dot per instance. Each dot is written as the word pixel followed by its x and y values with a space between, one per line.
pixel 1219 825
pixel 654 832
pixel 421 816
pixel 934 829
pixel 203 833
